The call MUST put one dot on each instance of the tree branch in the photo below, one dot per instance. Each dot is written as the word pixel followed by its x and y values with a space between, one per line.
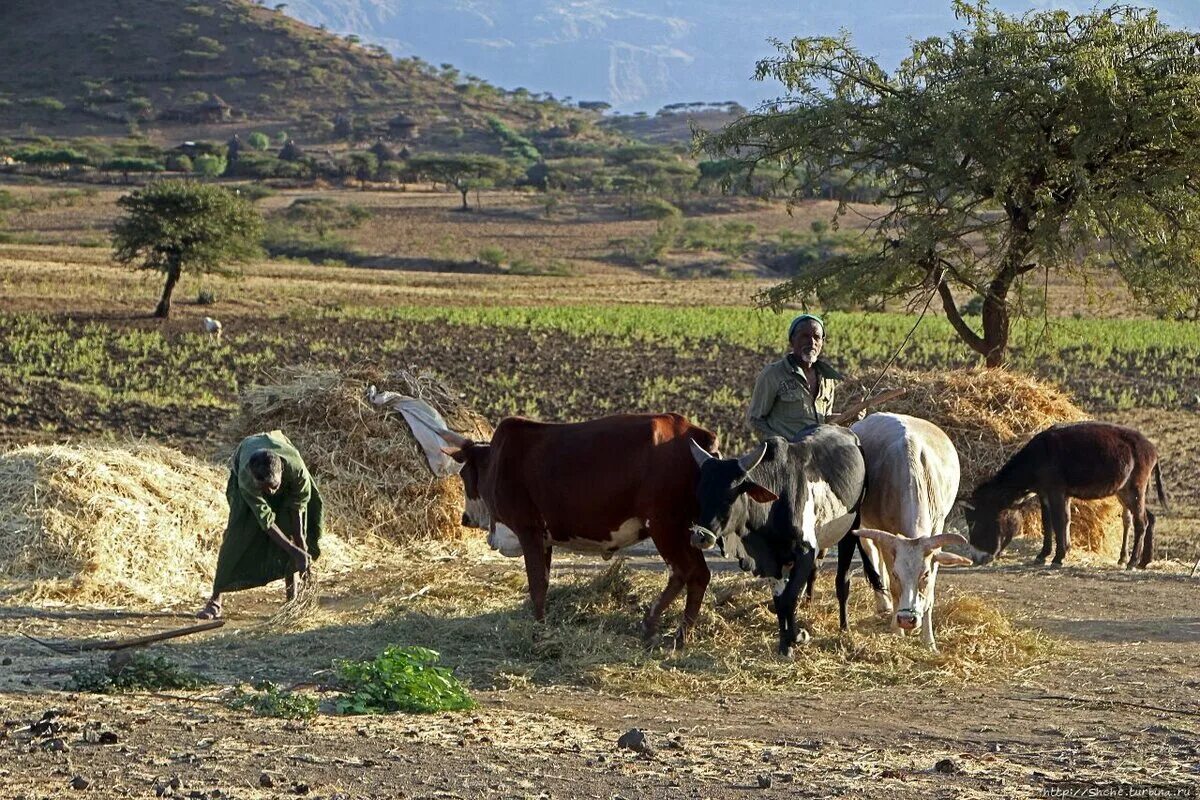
pixel 973 340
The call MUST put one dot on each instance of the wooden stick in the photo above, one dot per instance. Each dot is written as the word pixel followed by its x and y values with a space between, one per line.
pixel 121 644
pixel 851 412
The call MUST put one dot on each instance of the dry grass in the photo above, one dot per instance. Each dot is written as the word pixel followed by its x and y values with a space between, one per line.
pixel 106 524
pixel 131 526
pixel 989 415
pixel 481 624
pixel 374 478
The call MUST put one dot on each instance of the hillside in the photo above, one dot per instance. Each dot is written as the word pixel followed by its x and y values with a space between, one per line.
pixel 184 67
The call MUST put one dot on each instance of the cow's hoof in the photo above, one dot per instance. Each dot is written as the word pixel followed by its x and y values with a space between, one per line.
pixel 1056 564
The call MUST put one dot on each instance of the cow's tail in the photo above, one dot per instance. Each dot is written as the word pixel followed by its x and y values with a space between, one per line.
pixel 1162 496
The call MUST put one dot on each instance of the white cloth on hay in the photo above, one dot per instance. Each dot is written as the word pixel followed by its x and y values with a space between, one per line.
pixel 424 421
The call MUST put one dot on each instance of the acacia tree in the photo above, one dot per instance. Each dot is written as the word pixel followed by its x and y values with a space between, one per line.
pixel 1011 146
pixel 463 172
pixel 176 226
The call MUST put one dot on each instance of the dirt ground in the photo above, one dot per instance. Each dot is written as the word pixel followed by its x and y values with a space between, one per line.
pixel 1117 705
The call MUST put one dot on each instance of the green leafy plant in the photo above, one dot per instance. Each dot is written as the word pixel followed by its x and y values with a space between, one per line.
pixel 400 679
pixel 140 673
pixel 269 700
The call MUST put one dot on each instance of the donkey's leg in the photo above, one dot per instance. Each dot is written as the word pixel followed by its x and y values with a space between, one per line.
pixel 1126 522
pixel 1060 510
pixel 1048 527
pixel 1147 542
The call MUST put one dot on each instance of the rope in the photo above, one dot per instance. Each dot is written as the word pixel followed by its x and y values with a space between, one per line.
pixel 903 344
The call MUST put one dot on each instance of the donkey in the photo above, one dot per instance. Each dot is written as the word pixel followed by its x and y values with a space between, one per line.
pixel 1085 460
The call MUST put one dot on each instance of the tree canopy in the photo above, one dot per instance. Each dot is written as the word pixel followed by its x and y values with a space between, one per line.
pixel 463 172
pixel 1013 147
pixel 175 226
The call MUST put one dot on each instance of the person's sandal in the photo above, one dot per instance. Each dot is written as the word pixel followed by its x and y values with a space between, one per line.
pixel 211 610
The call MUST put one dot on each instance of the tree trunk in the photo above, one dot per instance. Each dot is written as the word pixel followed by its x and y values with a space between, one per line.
pixel 465 207
pixel 996 323
pixel 164 305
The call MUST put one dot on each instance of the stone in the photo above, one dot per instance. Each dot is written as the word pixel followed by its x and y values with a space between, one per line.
pixel 948 766
pixel 635 740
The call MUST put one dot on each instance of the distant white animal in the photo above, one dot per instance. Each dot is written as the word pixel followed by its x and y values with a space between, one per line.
pixel 212 327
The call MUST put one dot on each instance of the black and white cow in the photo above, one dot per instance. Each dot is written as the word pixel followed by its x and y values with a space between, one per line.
pixel 774 508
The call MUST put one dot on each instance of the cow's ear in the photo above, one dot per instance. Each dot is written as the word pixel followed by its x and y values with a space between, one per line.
pixel 951 559
pixel 760 494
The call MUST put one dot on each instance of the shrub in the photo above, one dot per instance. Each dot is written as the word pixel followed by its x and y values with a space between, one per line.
pixel 268 700
pixel 141 672
pixel 258 141
pixel 656 208
pixel 180 163
pixel 400 679
pixel 493 256
pixel 209 165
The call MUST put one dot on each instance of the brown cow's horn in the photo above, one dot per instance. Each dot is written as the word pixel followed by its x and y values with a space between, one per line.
pixel 752 460
pixel 451 438
pixel 699 453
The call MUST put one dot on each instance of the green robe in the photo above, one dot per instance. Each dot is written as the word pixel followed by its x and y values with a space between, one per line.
pixel 248 557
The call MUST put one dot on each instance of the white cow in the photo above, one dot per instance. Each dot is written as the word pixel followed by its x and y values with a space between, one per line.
pixel 912 481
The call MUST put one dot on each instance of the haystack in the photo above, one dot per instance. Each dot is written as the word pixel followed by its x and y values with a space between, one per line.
pixel 129 525
pixel 374 478
pixel 989 414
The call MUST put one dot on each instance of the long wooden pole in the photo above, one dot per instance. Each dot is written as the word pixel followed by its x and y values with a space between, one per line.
pixel 121 644
pixel 851 412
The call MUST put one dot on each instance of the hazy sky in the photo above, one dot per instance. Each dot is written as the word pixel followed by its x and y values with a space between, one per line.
pixel 642 54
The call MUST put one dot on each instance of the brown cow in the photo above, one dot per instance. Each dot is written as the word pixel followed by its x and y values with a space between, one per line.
pixel 1085 460
pixel 595 486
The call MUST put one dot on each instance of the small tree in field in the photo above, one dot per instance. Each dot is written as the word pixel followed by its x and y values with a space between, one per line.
pixel 463 172
pixel 1005 149
pixel 176 226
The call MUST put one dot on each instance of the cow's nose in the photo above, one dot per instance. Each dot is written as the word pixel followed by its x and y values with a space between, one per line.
pixel 744 564
pixel 466 521
pixel 984 558
pixel 906 621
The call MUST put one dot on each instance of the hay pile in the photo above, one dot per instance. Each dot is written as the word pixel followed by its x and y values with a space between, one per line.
pixel 374 478
pixel 131 525
pixel 483 628
pixel 989 414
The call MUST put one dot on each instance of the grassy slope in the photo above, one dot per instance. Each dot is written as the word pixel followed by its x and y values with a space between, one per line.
pixel 104 60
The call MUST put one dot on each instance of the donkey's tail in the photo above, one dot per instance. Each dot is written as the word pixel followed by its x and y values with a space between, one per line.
pixel 1162 496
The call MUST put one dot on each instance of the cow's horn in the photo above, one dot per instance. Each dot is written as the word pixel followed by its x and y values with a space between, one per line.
pixel 451 438
pixel 699 453
pixel 751 460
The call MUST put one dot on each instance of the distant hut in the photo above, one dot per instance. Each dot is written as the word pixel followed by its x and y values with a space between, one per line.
pixel 382 152
pixel 290 152
pixel 404 127
pixel 214 109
